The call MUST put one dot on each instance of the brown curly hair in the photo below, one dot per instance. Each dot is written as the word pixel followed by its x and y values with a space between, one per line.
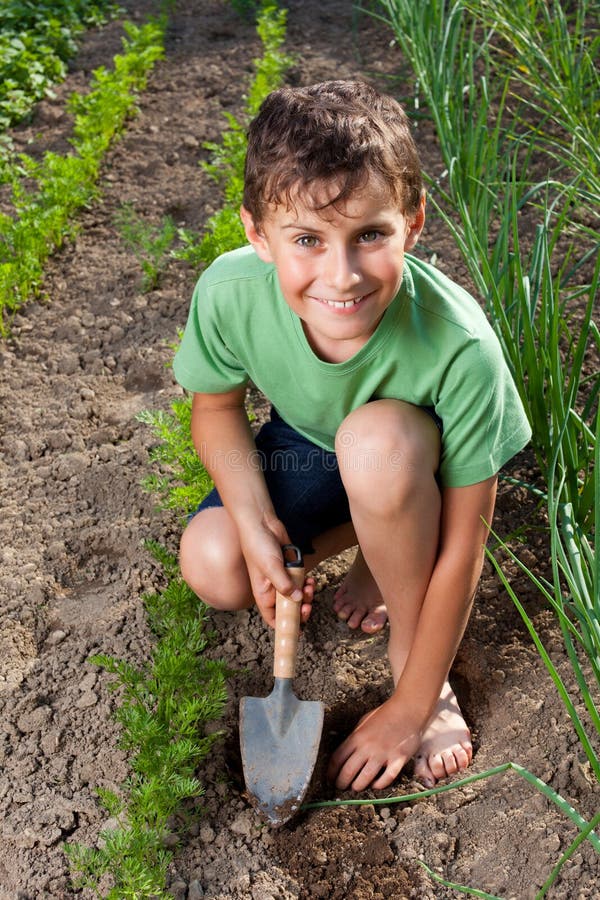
pixel 340 132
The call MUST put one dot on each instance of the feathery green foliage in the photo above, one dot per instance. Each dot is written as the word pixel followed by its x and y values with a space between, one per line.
pixel 181 481
pixel 165 708
pixel 167 704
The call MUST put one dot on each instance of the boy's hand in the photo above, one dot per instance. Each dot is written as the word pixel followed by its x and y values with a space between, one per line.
pixel 264 559
pixel 376 751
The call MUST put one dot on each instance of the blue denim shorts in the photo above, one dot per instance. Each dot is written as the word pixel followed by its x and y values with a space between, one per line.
pixel 303 481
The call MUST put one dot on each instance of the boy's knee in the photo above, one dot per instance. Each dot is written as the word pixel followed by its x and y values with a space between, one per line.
pixel 212 564
pixel 387 442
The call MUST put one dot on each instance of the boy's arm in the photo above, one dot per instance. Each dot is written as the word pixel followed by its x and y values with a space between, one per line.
pixel 387 738
pixel 223 440
pixel 449 597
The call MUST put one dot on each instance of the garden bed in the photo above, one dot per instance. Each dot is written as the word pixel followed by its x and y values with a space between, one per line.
pixel 73 376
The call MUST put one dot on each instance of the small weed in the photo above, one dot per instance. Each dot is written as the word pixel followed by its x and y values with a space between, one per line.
pixel 149 243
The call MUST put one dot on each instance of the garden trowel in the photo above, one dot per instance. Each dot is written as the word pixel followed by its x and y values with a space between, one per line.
pixel 280 734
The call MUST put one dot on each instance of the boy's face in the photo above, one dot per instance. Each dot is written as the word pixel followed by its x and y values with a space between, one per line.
pixel 339 268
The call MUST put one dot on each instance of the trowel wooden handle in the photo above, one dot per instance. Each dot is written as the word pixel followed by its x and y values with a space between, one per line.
pixel 287 628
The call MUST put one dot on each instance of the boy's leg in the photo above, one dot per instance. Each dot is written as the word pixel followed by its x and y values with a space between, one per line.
pixel 211 560
pixel 388 452
pixel 308 496
pixel 212 563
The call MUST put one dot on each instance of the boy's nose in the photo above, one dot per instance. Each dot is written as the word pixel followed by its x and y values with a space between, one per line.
pixel 341 270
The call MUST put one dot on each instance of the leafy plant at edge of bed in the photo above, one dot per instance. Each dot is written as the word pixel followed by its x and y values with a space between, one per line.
pixel 66 183
pixel 36 43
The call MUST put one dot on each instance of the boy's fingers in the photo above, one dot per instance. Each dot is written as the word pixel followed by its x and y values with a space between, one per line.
pixel 284 584
pixel 309 592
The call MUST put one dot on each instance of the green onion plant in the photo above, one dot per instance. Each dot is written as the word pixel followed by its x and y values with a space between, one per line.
pixel 513 93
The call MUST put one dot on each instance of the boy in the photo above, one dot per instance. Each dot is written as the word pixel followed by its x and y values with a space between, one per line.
pixel 392 412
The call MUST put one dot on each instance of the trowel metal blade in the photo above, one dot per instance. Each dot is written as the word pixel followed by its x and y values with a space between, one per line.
pixel 279 737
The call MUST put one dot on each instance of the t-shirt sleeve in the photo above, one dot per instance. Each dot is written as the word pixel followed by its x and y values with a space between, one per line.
pixel 484 423
pixel 204 363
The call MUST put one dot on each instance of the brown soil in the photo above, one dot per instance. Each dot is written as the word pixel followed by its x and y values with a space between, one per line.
pixel 75 372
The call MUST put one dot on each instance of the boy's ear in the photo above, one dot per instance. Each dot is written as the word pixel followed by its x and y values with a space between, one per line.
pixel 255 236
pixel 416 226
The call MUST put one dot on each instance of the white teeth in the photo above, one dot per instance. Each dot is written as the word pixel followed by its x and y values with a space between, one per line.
pixel 344 304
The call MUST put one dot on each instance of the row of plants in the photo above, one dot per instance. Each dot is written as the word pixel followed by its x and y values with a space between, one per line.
pixel 46 194
pixel 513 90
pixel 37 40
pixel 164 710
pixel 168 707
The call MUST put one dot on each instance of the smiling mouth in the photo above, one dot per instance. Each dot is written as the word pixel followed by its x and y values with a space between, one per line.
pixel 341 304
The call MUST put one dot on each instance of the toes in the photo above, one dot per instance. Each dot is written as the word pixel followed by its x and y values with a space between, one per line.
pixel 431 769
pixel 374 620
pixel 370 620
pixel 463 755
pixel 344 611
pixel 339 598
pixel 356 618
pixel 422 771
pixel 449 762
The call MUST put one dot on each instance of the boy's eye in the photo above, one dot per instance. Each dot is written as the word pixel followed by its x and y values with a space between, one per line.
pixel 367 237
pixel 307 240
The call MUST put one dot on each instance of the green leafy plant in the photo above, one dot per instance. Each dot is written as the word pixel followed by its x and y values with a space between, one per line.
pixel 149 243
pixel 181 481
pixel 165 709
pixel 36 42
pixel 47 194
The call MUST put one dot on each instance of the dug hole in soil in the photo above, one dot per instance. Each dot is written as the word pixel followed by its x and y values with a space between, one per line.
pixel 74 374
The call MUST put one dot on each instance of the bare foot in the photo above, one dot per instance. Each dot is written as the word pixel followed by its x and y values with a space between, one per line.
pixel 446 746
pixel 358 601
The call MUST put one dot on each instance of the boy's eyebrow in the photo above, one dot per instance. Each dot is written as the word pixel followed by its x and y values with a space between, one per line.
pixel 300 226
pixel 368 226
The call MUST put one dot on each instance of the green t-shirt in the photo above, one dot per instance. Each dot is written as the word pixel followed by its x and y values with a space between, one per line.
pixel 433 347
